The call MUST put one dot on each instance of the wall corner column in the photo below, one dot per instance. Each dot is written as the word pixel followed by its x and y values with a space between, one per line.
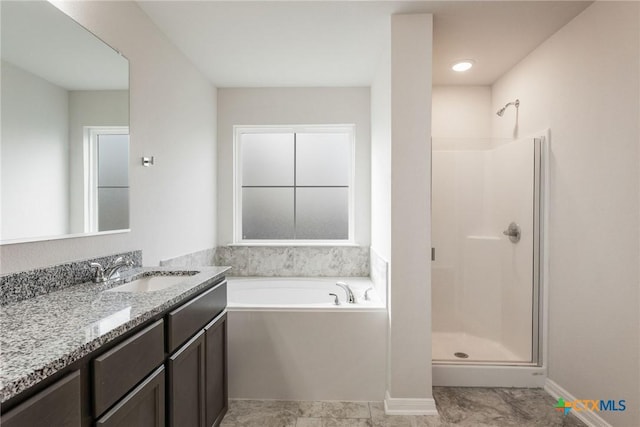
pixel 409 366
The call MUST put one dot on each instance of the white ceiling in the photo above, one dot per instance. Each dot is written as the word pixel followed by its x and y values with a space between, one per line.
pixel 340 43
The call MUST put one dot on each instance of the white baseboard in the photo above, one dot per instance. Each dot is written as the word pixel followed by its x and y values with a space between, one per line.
pixel 592 419
pixel 400 406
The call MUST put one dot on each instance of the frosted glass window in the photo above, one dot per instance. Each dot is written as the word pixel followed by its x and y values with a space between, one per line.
pixel 267 213
pixel 323 159
pixel 267 159
pixel 113 208
pixel 113 160
pixel 294 183
pixel 322 213
pixel 112 181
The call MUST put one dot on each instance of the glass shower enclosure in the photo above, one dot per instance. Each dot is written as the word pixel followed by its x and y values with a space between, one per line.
pixel 486 234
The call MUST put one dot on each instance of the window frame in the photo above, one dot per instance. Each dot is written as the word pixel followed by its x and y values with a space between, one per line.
pixel 238 131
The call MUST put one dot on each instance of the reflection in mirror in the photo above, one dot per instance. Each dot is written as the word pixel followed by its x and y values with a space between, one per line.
pixel 65 127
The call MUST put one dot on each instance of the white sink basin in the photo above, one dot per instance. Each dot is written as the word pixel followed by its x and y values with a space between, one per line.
pixel 149 284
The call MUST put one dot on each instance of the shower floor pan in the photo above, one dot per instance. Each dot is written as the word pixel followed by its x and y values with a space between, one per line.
pixel 452 347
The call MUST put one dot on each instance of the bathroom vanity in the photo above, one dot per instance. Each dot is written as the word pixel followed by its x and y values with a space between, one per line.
pixel 107 355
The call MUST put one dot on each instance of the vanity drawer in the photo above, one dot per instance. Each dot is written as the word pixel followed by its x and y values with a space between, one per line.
pixel 57 405
pixel 143 407
pixel 188 319
pixel 119 369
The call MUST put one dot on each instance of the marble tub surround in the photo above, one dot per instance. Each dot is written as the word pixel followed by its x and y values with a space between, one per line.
pixel 294 261
pixel 457 406
pixel 20 286
pixel 203 257
pixel 42 335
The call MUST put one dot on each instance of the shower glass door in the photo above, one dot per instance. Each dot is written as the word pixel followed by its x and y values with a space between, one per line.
pixel 486 238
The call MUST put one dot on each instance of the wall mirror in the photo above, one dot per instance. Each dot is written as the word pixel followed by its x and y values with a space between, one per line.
pixel 64 147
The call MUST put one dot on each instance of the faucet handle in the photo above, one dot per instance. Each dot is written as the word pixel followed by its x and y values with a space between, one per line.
pixel 336 300
pixel 366 294
pixel 118 260
pixel 99 277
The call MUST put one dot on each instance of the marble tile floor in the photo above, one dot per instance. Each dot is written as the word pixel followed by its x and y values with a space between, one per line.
pixel 457 406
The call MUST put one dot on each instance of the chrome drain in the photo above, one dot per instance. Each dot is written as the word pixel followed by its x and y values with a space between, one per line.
pixel 461 355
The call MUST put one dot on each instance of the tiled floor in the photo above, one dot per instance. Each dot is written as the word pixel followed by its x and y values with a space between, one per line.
pixel 458 406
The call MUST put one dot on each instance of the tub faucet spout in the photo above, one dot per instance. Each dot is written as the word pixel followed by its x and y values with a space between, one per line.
pixel 351 298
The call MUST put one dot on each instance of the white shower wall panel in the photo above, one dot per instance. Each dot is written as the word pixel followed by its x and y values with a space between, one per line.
pixel 481 282
pixel 444 296
pixel 482 288
pixel 510 194
pixel 456 211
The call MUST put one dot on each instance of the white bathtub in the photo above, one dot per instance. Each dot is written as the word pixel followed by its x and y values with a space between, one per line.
pixel 288 341
pixel 299 293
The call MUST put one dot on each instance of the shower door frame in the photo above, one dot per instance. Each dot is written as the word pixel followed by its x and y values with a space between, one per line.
pixel 538 176
pixel 517 374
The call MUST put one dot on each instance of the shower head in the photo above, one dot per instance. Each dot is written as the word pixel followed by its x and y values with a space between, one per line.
pixel 516 103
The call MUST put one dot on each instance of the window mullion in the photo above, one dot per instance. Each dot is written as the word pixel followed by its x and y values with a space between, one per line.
pixel 295 225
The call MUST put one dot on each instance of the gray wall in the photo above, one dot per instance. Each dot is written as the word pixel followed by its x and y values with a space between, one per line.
pixel 584 84
pixel 35 178
pixel 294 106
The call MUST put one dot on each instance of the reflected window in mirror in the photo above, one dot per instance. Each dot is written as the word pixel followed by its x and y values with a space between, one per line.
pixel 58 79
pixel 106 178
pixel 294 184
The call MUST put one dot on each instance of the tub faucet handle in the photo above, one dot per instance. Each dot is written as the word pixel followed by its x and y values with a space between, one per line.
pixel 336 301
pixel 366 294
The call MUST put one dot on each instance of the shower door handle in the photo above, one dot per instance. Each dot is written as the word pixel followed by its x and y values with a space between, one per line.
pixel 514 232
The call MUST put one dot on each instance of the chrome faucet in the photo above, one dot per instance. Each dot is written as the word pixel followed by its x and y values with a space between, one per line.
pixel 111 272
pixel 336 300
pixel 351 298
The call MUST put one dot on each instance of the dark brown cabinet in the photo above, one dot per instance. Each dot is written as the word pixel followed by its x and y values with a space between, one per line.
pixel 192 316
pixel 198 378
pixel 172 370
pixel 215 337
pixel 186 384
pixel 119 369
pixel 143 407
pixel 59 405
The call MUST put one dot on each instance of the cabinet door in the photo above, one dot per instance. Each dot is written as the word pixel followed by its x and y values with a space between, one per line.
pixel 216 370
pixel 143 407
pixel 186 384
pixel 58 404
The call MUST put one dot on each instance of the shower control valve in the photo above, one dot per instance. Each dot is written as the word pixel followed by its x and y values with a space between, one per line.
pixel 514 232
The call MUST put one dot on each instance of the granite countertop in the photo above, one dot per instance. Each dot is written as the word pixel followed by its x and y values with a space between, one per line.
pixel 42 335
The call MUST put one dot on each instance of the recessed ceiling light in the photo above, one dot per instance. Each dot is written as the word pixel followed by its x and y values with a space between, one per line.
pixel 463 65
